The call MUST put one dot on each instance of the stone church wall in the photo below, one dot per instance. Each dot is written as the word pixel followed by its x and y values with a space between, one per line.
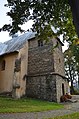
pixel 40 60
pixel 45 71
pixel 42 87
pixel 59 82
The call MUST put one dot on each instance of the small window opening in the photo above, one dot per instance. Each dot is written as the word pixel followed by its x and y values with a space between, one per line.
pixel 3 65
pixel 40 43
pixel 59 60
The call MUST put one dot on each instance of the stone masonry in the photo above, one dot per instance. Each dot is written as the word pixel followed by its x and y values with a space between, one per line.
pixel 45 71
pixel 40 60
pixel 42 87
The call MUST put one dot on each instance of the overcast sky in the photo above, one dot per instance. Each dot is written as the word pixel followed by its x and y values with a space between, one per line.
pixel 4 19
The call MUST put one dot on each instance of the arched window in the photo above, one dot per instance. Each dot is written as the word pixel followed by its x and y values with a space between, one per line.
pixel 3 65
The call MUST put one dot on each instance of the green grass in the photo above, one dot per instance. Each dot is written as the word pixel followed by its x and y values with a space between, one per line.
pixel 9 105
pixel 70 116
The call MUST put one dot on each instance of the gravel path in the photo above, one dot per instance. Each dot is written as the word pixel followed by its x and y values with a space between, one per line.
pixel 69 108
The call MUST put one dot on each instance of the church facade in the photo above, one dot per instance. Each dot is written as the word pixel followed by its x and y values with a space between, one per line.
pixel 32 67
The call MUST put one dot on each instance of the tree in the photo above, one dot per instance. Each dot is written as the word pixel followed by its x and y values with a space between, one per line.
pixel 75 50
pixel 69 68
pixel 72 64
pixel 44 13
pixel 75 12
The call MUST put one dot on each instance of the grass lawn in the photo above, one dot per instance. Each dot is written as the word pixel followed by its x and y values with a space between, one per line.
pixel 9 105
pixel 70 116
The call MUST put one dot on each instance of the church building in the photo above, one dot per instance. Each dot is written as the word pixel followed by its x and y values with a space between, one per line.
pixel 33 68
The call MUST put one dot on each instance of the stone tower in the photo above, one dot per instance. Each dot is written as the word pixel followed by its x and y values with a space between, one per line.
pixel 46 78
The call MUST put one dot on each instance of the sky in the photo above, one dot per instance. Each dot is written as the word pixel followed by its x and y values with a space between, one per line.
pixel 4 19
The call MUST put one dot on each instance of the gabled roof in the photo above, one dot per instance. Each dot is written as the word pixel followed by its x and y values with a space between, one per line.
pixel 15 43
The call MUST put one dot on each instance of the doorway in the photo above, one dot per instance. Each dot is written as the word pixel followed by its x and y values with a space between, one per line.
pixel 63 91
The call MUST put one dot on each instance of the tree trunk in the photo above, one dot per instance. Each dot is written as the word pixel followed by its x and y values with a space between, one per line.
pixel 72 88
pixel 75 13
pixel 71 79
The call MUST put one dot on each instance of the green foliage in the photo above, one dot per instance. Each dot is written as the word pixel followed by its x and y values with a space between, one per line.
pixel 75 50
pixel 44 13
pixel 76 91
pixel 26 105
pixel 72 64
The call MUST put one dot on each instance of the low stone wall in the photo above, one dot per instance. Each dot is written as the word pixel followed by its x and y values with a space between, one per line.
pixel 42 87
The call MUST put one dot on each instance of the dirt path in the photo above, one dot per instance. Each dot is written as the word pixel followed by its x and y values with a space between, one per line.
pixel 69 108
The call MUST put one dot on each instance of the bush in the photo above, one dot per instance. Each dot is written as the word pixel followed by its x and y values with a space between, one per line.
pixel 76 91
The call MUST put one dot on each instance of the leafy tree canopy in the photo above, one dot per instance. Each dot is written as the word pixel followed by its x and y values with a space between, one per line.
pixel 44 13
pixel 72 65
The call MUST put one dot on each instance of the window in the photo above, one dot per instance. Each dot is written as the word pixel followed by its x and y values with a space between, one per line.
pixel 3 65
pixel 40 43
pixel 59 60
